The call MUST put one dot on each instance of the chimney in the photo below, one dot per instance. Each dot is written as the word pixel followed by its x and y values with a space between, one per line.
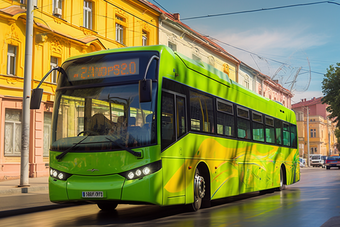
pixel 176 16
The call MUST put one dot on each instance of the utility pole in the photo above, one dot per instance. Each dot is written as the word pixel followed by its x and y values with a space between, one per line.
pixel 24 171
pixel 308 158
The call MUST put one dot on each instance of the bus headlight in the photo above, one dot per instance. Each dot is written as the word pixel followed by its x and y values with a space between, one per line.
pixel 142 171
pixel 146 171
pixel 59 174
pixel 131 175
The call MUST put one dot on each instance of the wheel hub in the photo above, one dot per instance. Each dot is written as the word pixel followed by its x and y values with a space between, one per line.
pixel 199 187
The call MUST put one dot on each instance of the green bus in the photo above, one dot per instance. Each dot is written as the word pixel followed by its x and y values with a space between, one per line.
pixel 146 125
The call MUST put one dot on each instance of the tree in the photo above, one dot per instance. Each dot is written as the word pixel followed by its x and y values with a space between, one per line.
pixel 331 91
pixel 337 135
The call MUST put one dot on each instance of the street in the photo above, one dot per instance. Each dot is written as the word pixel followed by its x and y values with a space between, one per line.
pixel 311 202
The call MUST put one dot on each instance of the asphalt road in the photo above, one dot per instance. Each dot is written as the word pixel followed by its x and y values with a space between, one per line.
pixel 314 201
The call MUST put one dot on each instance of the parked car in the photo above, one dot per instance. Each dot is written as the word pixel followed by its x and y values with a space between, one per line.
pixel 302 162
pixel 332 161
pixel 316 160
pixel 323 161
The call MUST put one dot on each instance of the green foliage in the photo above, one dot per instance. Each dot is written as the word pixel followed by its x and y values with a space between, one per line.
pixel 337 135
pixel 331 91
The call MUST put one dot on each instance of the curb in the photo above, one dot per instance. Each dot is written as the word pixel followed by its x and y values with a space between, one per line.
pixel 12 191
pixel 8 213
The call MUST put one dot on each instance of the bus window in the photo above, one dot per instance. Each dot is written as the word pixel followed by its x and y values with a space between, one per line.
pixel 286 135
pixel 225 118
pixel 258 132
pixel 181 116
pixel 270 134
pixel 278 130
pixel 201 112
pixel 293 136
pixel 168 129
pixel 243 123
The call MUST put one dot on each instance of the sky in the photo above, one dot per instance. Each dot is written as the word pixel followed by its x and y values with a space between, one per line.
pixel 288 44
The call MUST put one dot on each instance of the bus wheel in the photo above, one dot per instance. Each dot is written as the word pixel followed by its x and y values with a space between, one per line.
pixel 282 180
pixel 199 190
pixel 107 206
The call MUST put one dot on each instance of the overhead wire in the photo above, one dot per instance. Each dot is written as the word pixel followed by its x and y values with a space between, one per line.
pixel 238 48
pixel 262 9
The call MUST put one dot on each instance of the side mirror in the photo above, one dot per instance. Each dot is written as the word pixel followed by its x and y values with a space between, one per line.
pixel 36 98
pixel 145 90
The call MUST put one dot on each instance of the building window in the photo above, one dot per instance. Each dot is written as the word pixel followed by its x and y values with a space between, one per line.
pixel 88 14
pixel 144 38
pixel 212 61
pixel 11 59
pixel 120 30
pixel 172 46
pixel 12 132
pixel 246 81
pixel 47 132
pixel 196 58
pixel 54 64
pixel 57 8
pixel 313 150
pixel 313 133
pixel 196 55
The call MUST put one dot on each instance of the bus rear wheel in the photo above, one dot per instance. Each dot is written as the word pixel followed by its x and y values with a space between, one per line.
pixel 107 206
pixel 199 190
pixel 282 180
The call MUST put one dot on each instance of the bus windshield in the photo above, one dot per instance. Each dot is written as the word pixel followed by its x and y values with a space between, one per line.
pixel 109 117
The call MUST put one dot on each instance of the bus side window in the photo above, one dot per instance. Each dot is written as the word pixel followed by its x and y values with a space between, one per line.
pixel 270 133
pixel 278 132
pixel 243 123
pixel 225 118
pixel 293 136
pixel 181 122
pixel 258 131
pixel 286 134
pixel 168 113
pixel 201 112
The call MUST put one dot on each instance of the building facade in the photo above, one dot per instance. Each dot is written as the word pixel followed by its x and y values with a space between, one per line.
pixel 61 29
pixel 319 129
pixel 181 38
pixel 263 85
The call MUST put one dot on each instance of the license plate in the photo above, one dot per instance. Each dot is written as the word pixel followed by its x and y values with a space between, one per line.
pixel 92 194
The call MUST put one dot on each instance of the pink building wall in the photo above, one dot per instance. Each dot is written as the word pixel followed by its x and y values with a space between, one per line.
pixel 10 165
pixel 275 91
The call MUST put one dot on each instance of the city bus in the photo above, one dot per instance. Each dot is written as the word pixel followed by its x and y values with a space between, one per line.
pixel 147 125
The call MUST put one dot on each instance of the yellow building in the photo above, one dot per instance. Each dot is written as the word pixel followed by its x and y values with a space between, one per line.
pixel 320 130
pixel 61 29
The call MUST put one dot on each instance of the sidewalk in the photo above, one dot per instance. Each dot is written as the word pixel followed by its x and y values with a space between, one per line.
pixel 9 187
pixel 15 200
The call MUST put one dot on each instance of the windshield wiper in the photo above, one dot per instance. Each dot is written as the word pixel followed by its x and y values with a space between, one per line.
pixel 59 157
pixel 137 154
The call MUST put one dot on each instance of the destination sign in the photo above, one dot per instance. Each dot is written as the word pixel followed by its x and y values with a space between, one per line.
pixel 106 69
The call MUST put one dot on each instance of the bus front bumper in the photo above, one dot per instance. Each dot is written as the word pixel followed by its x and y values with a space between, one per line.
pixel 78 189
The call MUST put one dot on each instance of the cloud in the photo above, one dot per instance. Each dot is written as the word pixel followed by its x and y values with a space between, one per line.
pixel 265 40
pixel 308 95
pixel 284 45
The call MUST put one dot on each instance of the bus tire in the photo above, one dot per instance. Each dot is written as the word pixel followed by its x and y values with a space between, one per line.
pixel 282 179
pixel 199 190
pixel 107 206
